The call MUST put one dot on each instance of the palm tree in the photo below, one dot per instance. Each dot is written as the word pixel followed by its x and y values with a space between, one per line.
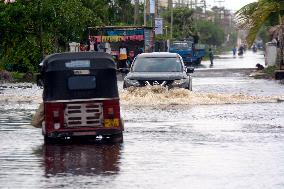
pixel 252 16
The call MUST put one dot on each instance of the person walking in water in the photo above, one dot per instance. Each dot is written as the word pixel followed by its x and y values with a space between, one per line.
pixel 211 56
pixel 234 51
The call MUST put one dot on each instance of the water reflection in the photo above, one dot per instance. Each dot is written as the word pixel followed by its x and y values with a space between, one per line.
pixel 81 159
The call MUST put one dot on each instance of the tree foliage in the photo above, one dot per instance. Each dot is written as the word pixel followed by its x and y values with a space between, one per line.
pixel 182 22
pixel 252 16
pixel 31 29
pixel 210 33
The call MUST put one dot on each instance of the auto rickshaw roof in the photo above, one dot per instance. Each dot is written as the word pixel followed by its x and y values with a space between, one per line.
pixel 98 60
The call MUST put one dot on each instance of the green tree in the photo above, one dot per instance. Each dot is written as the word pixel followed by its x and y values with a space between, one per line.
pixel 18 41
pixel 182 22
pixel 31 29
pixel 252 16
pixel 210 33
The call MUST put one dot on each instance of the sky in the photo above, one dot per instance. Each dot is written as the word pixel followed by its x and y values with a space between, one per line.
pixel 230 4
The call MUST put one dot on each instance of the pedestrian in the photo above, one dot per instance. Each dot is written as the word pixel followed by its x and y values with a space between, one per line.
pixel 82 47
pixel 137 50
pixel 241 50
pixel 101 47
pixel 211 56
pixel 93 44
pixel 234 51
pixel 107 47
pixel 122 58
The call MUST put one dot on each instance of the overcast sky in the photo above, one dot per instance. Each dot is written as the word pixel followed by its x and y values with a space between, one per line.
pixel 230 4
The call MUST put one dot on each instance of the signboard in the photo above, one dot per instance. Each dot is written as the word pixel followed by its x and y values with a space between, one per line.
pixel 152 6
pixel 158 26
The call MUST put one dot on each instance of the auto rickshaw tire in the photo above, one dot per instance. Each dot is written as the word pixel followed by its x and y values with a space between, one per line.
pixel 116 138
pixel 48 140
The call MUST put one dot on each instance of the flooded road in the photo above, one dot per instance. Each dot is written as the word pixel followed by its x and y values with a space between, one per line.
pixel 237 144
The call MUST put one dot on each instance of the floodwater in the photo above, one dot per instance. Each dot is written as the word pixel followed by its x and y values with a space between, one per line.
pixel 211 140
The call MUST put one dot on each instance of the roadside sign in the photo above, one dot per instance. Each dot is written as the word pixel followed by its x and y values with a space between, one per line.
pixel 158 26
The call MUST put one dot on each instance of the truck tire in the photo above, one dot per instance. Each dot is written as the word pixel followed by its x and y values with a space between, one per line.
pixel 198 61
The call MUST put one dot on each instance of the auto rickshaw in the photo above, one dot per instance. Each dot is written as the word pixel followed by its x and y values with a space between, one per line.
pixel 80 97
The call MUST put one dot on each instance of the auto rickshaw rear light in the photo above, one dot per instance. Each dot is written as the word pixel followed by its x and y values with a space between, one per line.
pixel 55 114
pixel 56 125
pixel 110 111
pixel 111 114
pixel 56 118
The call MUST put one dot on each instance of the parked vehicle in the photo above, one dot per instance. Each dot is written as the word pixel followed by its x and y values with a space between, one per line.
pixel 191 53
pixel 80 97
pixel 159 68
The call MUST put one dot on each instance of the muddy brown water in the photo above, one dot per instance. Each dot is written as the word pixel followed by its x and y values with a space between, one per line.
pixel 228 145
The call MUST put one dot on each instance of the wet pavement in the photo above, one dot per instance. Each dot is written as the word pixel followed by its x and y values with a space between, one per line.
pixel 165 145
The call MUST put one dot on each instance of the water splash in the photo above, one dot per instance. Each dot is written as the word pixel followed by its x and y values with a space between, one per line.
pixel 144 96
pixel 157 95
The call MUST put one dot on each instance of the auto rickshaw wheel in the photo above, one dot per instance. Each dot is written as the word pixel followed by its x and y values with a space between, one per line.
pixel 116 138
pixel 49 140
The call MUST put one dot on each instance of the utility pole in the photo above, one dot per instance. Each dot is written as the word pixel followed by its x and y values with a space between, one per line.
pixel 145 12
pixel 203 3
pixel 205 9
pixel 170 2
pixel 136 12
pixel 172 18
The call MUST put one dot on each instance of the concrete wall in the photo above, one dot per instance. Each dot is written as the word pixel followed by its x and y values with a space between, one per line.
pixel 270 54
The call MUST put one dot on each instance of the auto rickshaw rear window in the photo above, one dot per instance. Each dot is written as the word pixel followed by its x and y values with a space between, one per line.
pixel 78 64
pixel 82 82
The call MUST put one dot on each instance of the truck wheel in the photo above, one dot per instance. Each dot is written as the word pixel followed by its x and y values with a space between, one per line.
pixel 198 61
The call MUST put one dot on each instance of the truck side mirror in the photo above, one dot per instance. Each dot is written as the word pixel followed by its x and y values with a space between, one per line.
pixel 189 70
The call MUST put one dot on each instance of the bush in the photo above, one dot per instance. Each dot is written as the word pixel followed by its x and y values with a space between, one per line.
pixel 270 70
pixel 17 77
pixel 5 76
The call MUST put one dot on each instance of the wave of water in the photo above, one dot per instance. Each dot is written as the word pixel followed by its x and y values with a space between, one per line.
pixel 156 95
pixel 144 96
